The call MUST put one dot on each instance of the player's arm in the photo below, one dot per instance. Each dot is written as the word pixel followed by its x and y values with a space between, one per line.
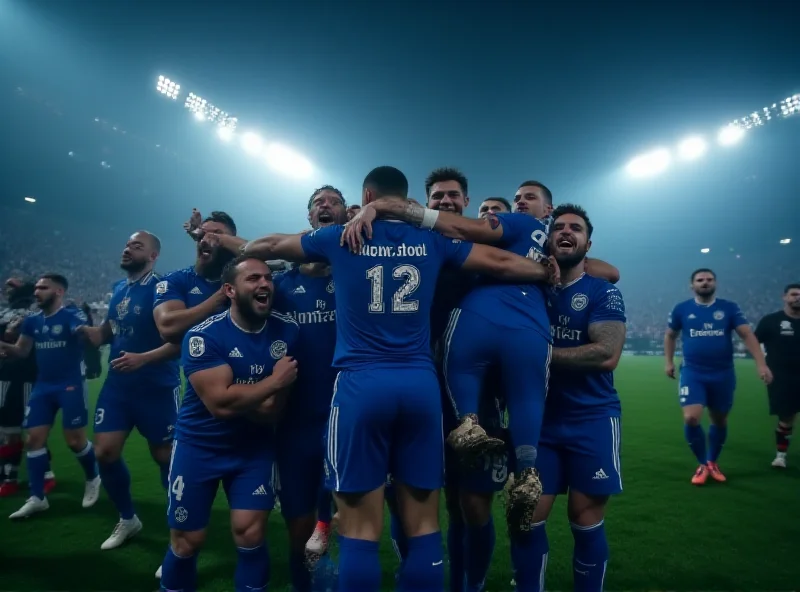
pixel 602 354
pixel 99 335
pixel 508 266
pixel 129 361
pixel 671 341
pixel 173 319
pixel 743 330
pixel 600 269
pixel 20 349
pixel 276 246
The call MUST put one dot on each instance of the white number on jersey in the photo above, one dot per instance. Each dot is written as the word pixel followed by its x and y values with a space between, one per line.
pixel 411 277
pixel 540 238
pixel 177 488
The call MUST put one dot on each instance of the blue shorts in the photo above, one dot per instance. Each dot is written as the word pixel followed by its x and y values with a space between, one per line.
pixel 47 399
pixel 300 456
pixel 150 408
pixel 248 477
pixel 580 455
pixel 709 389
pixel 385 421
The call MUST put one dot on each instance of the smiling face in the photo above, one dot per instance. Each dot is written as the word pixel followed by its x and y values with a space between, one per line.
pixel 569 240
pixel 251 290
pixel 448 196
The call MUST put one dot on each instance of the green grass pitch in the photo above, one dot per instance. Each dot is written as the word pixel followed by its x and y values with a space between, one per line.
pixel 664 533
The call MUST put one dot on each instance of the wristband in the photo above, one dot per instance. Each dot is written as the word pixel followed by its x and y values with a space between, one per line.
pixel 429 218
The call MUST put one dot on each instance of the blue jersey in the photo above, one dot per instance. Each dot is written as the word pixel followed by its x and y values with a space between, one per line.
pixel 705 331
pixel 187 286
pixel 512 305
pixel 217 341
pixel 310 301
pixel 385 292
pixel 130 314
pixel 59 347
pixel 573 309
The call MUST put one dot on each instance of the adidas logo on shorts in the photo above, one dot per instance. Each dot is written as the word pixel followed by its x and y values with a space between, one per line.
pixel 235 353
pixel 601 474
pixel 195 290
pixel 260 491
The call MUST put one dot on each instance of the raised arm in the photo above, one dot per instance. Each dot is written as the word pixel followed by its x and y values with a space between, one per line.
pixel 276 246
pixel 508 266
pixel 602 354
pixel 600 269
pixel 97 336
pixel 173 319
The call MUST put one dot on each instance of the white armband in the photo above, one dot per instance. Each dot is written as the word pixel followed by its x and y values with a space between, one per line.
pixel 429 218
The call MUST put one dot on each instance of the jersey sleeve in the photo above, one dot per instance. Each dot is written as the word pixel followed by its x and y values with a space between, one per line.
pixel 172 287
pixel 737 316
pixel 200 352
pixel 455 252
pixel 319 245
pixel 762 330
pixel 674 319
pixel 77 319
pixel 608 305
pixel 27 329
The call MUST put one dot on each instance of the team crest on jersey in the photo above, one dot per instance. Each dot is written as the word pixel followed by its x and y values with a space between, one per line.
pixel 278 349
pixel 718 315
pixel 56 330
pixel 161 288
pixel 197 346
pixel 579 302
pixel 122 308
pixel 330 287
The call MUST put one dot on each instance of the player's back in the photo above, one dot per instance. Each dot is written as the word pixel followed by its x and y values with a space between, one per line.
pixel 518 306
pixel 185 285
pixel 216 342
pixel 574 394
pixel 134 328
pixel 706 333
pixel 59 349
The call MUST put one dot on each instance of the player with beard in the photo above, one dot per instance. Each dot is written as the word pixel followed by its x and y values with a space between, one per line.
pixel 493 205
pixel 16 382
pixel 579 449
pixel 383 346
pixel 779 332
pixel 239 369
pixel 142 387
pixel 60 384
pixel 188 296
pixel 705 325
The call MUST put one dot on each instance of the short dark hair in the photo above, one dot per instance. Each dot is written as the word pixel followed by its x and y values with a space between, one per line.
pixel 547 193
pixel 568 208
pixel 387 180
pixel 230 271
pixel 222 218
pixel 791 287
pixel 443 174
pixel 703 270
pixel 502 200
pixel 56 278
pixel 326 188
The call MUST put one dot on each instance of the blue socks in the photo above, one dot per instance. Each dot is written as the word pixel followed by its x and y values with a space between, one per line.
pixel 117 482
pixel 590 557
pixel 479 547
pixel 359 565
pixel 716 440
pixel 529 551
pixel 456 552
pixel 38 463
pixel 87 460
pixel 252 569
pixel 399 539
pixel 178 574
pixel 697 442
pixel 423 569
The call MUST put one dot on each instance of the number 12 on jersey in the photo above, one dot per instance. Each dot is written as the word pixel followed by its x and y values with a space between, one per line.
pixel 410 278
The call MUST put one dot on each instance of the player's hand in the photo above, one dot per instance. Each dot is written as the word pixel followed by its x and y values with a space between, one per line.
pixel 192 225
pixel 128 362
pixel 360 224
pixel 764 373
pixel 669 370
pixel 284 373
pixel 220 299
pixel 555 271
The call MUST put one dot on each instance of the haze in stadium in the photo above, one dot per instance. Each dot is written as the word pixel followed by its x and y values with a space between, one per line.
pixel 675 125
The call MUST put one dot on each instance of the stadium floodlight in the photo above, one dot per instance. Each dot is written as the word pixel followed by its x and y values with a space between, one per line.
pixel 168 87
pixel 705 250
pixel 30 199
pixel 225 133
pixel 649 164
pixel 730 135
pixel 252 144
pixel 784 241
pixel 288 162
pixel 200 115
pixel 692 148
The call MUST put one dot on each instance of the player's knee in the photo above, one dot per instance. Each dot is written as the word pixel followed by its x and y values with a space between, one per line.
pixel 586 510
pixel 718 418
pixel 186 544
pixel 300 530
pixel 476 507
pixel 36 439
pixel 160 452
pixel 106 452
pixel 247 527
pixel 543 508
pixel 75 439
pixel 691 419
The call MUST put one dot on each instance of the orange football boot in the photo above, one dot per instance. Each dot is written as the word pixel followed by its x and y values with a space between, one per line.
pixel 716 474
pixel 700 475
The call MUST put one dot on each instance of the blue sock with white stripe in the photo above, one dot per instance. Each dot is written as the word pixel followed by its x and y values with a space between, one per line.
pixel 88 461
pixel 423 569
pixel 590 557
pixel 252 569
pixel 37 466
pixel 529 558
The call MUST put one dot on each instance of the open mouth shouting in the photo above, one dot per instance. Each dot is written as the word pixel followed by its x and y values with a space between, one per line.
pixel 325 217
pixel 262 298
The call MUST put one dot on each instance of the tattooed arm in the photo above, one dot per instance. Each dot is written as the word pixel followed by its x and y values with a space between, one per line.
pixel 602 354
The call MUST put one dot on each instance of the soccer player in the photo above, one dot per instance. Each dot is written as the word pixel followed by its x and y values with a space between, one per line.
pixel 188 296
pixel 493 205
pixel 60 384
pixel 352 210
pixel 386 412
pixel 579 450
pixel 779 332
pixel 16 383
pixel 142 387
pixel 238 367
pixel 707 379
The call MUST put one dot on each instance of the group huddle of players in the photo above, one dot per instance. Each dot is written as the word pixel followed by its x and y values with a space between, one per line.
pixel 410 350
